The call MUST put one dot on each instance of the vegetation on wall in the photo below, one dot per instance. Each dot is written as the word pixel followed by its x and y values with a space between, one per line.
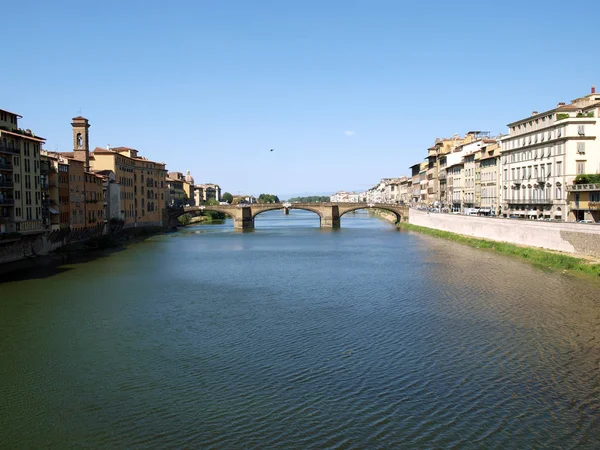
pixel 588 178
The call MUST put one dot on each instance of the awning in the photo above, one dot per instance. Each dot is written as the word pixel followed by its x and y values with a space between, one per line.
pixel 52 210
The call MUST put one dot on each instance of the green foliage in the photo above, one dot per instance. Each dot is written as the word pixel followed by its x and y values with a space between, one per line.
pixel 561 116
pixel 588 114
pixel 267 198
pixel 537 257
pixel 588 178
pixel 185 219
pixel 215 215
pixel 212 202
pixel 227 197
pixel 311 199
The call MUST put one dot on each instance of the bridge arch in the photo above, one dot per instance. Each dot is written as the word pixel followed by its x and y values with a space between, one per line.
pixel 196 210
pixel 266 208
pixel 399 216
pixel 307 208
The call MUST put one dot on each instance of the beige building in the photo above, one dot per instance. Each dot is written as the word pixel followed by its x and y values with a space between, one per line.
pixel 177 194
pixel 177 181
pixel 20 182
pixel 489 164
pixel 208 191
pixel 437 182
pixel 542 155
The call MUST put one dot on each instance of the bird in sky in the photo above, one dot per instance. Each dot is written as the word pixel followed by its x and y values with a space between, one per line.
pixel 271 149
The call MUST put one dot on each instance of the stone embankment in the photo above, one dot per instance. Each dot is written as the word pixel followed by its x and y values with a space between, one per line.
pixel 573 238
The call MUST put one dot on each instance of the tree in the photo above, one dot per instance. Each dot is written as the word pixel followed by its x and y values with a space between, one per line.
pixel 268 198
pixel 227 197
pixel 310 199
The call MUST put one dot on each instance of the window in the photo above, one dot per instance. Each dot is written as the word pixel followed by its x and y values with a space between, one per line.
pixel 581 130
pixel 580 167
pixel 558 193
pixel 581 148
pixel 559 168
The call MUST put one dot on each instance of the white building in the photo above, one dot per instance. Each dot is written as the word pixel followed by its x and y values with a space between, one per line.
pixel 543 154
pixel 345 197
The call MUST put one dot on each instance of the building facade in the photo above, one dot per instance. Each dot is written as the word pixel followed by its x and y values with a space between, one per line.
pixel 20 181
pixel 543 154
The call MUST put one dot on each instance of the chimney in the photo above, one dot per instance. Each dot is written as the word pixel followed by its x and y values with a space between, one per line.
pixel 534 113
pixel 107 146
pixel 593 89
pixel 561 104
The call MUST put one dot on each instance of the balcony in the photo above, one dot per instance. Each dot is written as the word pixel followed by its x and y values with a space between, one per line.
pixel 7 202
pixel 585 206
pixel 583 187
pixel 529 202
pixel 6 166
pixel 442 175
pixel 563 116
pixel 10 150
pixel 6 184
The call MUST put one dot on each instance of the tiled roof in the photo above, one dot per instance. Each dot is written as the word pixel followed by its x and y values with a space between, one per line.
pixel 24 136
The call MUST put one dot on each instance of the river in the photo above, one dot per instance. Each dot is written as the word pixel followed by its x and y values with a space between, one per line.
pixel 290 336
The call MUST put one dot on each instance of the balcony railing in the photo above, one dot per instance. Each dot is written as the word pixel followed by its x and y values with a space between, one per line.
pixel 585 205
pixel 6 165
pixel 7 149
pixel 6 183
pixel 529 202
pixel 583 187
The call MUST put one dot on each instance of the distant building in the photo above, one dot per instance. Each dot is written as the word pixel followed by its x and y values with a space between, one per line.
pixel 177 195
pixel 345 197
pixel 208 191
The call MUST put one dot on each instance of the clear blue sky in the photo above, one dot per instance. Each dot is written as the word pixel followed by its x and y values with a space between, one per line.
pixel 346 92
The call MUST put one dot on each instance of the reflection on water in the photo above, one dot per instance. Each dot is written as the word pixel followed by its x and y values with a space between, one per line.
pixel 291 336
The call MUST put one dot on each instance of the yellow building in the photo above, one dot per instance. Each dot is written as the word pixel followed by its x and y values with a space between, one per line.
pixel 20 183
pixel 177 194
pixel 142 182
pixel 584 202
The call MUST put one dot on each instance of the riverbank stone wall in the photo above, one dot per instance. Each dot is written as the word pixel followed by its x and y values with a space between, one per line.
pixel 576 238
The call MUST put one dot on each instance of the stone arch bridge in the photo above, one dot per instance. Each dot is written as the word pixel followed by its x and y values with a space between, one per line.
pixel 329 213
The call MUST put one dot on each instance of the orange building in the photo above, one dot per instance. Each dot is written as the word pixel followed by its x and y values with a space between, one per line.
pixel 63 194
pixel 94 199
pixel 76 194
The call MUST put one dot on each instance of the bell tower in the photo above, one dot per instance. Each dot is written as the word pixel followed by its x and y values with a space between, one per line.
pixel 81 140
